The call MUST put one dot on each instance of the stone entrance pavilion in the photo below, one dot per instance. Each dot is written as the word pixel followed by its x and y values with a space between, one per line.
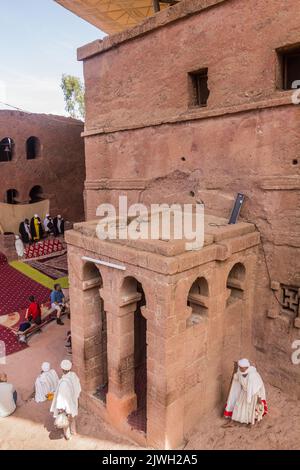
pixel 155 328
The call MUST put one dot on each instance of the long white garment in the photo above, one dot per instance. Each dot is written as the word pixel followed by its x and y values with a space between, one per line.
pixel 46 222
pixel 19 247
pixel 45 383
pixel 243 396
pixel 67 395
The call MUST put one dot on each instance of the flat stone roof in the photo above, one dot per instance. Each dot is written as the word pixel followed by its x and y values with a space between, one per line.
pixel 216 230
pixel 181 10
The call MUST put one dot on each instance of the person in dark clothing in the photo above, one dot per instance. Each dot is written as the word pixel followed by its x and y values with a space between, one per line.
pixel 24 230
pixel 59 225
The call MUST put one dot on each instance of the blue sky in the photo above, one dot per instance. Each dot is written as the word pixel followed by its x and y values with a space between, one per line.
pixel 39 39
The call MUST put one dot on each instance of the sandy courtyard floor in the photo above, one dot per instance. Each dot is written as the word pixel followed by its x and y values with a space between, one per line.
pixel 31 426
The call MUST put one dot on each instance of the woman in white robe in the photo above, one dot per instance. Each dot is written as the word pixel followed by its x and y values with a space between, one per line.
pixel 247 397
pixel 66 397
pixel 46 383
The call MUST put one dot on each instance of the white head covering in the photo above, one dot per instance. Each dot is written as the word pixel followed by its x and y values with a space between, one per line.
pixel 17 237
pixel 66 365
pixel 244 363
pixel 36 216
pixel 45 366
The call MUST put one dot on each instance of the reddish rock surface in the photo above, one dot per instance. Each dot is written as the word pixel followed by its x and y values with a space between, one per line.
pixel 59 167
pixel 143 139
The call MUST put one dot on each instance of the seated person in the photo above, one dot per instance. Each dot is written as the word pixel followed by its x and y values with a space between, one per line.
pixel 58 302
pixel 46 383
pixel 33 313
pixel 8 397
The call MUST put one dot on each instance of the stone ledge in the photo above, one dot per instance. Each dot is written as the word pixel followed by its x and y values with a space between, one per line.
pixel 104 184
pixel 280 183
pixel 282 99
pixel 183 9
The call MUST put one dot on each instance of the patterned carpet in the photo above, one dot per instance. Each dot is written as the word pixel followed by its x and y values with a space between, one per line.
pixel 16 288
pixel 44 248
pixel 18 281
pixel 10 340
pixel 9 325
pixel 39 277
pixel 54 267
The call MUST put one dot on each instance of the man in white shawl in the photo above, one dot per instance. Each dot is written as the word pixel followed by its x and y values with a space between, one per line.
pixel 66 398
pixel 247 397
pixel 46 383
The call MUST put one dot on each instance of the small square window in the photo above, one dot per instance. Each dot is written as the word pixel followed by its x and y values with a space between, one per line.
pixel 199 88
pixel 290 68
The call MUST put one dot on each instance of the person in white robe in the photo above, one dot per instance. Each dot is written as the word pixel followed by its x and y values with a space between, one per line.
pixel 45 383
pixel 66 398
pixel 19 245
pixel 247 397
pixel 46 222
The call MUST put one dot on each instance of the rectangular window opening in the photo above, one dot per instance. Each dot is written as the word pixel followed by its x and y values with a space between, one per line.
pixel 289 60
pixel 199 88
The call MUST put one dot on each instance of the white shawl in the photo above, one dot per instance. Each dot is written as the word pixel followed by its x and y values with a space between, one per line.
pixel 67 395
pixel 254 385
pixel 45 383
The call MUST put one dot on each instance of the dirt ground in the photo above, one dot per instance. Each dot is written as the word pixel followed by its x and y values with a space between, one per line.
pixel 31 426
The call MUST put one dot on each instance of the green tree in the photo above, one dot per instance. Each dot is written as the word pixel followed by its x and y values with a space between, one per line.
pixel 73 90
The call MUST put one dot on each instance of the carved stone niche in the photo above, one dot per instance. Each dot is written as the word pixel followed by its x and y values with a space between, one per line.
pixel 289 299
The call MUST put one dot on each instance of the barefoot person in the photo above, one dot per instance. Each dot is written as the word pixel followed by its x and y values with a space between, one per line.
pixel 66 398
pixel 46 383
pixel 247 397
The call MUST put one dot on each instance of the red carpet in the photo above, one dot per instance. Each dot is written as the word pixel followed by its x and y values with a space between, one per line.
pixel 16 288
pixel 43 248
pixel 10 340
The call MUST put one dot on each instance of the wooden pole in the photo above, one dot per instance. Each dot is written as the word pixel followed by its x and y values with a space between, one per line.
pixel 156 6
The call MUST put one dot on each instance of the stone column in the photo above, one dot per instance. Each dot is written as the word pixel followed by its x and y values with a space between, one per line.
pixel 165 371
pixel 121 398
pixel 86 307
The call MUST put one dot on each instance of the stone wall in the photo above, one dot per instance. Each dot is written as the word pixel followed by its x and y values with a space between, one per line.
pixel 59 167
pixel 144 139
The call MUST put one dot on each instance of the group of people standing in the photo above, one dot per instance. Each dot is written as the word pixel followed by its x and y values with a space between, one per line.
pixel 35 230
pixel 64 394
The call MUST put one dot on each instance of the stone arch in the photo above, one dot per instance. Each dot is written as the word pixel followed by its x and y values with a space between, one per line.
pixel 197 300
pixel 11 196
pixel 33 148
pixel 236 283
pixel 36 194
pixel 7 146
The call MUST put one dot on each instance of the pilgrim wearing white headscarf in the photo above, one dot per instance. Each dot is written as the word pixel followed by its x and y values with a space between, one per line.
pixel 46 383
pixel 247 397
pixel 66 397
pixel 19 246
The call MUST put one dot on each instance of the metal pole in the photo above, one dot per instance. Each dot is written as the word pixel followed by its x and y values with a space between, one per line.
pixel 104 263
